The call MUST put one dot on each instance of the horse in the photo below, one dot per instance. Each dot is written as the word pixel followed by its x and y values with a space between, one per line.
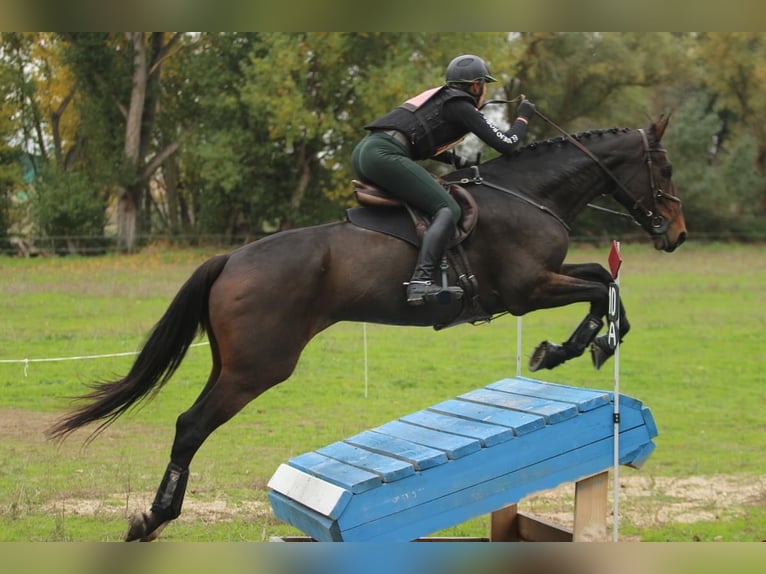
pixel 261 304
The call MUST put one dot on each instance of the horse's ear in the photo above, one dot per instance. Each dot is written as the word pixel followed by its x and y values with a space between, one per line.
pixel 658 128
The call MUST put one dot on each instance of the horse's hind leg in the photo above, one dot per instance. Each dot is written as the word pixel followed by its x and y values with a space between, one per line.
pixel 222 398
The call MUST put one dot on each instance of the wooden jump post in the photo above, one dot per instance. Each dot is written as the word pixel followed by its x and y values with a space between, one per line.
pixel 481 452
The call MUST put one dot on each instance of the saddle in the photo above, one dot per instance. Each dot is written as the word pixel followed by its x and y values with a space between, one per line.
pixel 370 195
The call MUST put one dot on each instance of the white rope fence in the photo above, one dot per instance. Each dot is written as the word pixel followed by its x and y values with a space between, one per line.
pixel 26 362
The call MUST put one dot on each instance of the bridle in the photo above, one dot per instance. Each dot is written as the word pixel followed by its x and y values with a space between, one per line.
pixel 648 218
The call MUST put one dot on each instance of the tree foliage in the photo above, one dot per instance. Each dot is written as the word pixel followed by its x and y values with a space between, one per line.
pixel 244 133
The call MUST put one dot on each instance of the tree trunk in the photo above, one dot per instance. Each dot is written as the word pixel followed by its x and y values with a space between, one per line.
pixel 170 174
pixel 126 220
pixel 129 204
pixel 138 126
pixel 305 163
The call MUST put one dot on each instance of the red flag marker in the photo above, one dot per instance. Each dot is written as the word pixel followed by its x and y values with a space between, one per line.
pixel 614 259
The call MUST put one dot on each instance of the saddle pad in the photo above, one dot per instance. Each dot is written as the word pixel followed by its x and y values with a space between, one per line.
pixel 394 221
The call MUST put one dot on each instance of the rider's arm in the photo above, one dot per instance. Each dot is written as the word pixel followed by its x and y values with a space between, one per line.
pixel 463 112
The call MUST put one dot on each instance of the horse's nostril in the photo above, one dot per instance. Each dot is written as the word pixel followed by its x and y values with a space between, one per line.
pixel 681 237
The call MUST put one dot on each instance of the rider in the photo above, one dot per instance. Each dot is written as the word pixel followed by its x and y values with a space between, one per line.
pixel 426 127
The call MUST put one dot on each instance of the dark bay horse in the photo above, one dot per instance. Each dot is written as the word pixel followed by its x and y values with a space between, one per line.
pixel 262 303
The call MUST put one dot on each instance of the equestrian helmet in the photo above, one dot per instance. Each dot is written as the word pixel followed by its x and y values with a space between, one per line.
pixel 468 68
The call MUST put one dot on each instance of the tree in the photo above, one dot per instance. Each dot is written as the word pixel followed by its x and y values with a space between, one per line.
pixel 245 133
pixel 123 75
pixel 9 157
pixel 738 95
pixel 584 80
pixel 228 169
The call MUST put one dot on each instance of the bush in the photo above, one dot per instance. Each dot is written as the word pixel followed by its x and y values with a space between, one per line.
pixel 66 207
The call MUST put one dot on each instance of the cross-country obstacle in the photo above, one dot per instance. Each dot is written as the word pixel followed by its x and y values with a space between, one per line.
pixel 479 453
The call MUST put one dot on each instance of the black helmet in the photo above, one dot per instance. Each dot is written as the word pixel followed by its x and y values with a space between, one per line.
pixel 468 68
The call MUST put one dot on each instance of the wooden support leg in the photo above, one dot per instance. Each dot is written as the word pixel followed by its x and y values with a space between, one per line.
pixel 503 526
pixel 590 508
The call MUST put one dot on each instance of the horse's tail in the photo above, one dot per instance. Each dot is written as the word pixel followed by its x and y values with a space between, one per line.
pixel 160 356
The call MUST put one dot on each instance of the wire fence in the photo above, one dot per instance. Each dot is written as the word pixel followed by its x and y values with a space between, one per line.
pixel 34 246
pixel 30 246
pixel 26 361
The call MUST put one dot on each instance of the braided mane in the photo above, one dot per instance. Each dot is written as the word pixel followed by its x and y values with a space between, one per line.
pixel 580 136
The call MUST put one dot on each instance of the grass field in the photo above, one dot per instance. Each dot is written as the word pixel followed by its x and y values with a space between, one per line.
pixel 695 357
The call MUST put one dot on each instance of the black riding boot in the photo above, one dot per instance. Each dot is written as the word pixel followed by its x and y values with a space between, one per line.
pixel 421 288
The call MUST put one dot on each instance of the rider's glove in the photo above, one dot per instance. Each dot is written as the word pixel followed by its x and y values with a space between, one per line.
pixel 526 110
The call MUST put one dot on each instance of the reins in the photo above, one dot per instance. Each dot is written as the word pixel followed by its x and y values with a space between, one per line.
pixel 603 167
pixel 656 224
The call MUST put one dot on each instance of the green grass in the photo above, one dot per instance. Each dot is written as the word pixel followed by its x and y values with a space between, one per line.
pixel 694 356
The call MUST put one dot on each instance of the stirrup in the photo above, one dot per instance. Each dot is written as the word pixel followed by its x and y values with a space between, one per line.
pixel 422 292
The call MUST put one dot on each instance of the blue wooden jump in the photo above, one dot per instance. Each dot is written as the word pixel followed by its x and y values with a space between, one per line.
pixel 464 457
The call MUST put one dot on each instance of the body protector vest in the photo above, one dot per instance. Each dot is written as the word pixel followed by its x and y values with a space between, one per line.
pixel 422 120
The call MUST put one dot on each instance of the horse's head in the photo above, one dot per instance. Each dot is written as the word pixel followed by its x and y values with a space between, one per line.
pixel 638 178
pixel 656 206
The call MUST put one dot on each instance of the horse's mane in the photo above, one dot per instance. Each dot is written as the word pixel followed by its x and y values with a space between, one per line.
pixel 583 136
pixel 524 160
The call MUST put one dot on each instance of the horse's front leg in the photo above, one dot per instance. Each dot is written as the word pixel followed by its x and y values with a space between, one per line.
pixel 548 355
pixel 600 350
pixel 578 282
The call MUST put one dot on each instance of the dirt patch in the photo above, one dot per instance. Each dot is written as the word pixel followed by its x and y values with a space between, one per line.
pixel 644 502
pixel 117 506
pixel 18 424
pixel 648 501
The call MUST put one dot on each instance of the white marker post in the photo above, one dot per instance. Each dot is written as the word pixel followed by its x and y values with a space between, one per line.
pixel 613 338
pixel 518 346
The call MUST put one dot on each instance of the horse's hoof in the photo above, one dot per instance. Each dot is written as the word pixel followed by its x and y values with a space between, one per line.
pixel 547 355
pixel 599 352
pixel 139 528
pixel 136 527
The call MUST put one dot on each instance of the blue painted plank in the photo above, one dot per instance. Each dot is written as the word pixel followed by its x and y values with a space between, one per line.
pixel 637 458
pixel 649 421
pixel 553 411
pixel 488 435
pixel 485 465
pixel 479 480
pixel 419 456
pixel 453 445
pixel 351 478
pixel 628 402
pixel 390 469
pixel 520 423
pixel 483 497
pixel 313 523
pixel 585 399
